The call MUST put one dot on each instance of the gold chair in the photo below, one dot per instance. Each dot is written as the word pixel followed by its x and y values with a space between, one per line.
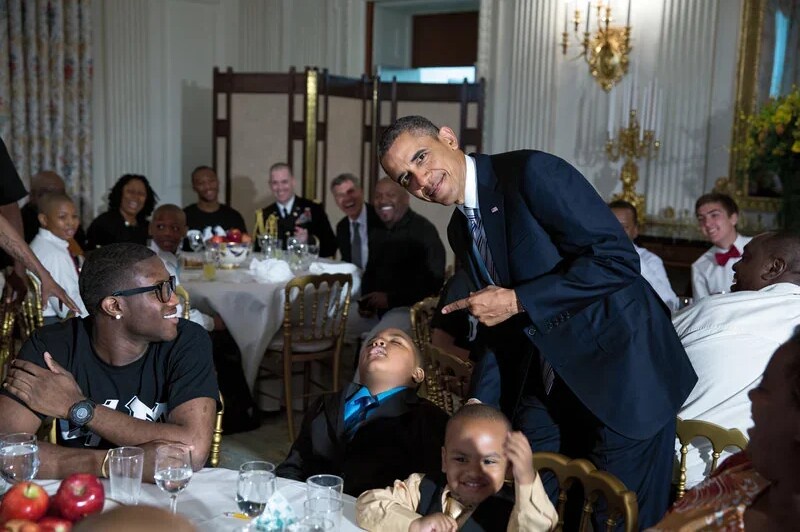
pixel 216 438
pixel 621 501
pixel 314 319
pixel 720 438
pixel 446 379
pixel 31 307
pixel 421 315
pixel 8 314
pixel 183 297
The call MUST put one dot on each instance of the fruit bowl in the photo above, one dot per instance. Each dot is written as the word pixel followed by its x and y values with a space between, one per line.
pixel 233 254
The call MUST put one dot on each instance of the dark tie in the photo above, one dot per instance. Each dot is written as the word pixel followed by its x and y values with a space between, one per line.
pixel 723 258
pixel 479 239
pixel 363 406
pixel 355 246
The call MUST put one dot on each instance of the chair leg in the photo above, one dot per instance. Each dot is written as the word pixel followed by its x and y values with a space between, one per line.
pixel 287 392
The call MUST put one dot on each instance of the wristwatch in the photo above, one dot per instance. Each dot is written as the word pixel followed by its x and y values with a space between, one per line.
pixel 81 412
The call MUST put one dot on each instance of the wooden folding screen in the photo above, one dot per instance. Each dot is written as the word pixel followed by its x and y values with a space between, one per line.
pixel 263 118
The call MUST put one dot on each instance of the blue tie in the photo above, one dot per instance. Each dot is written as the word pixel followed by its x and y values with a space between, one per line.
pixel 363 405
pixel 480 242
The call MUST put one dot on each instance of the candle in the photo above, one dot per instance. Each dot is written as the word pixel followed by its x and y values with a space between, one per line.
pixel 628 23
pixel 612 104
pixel 588 15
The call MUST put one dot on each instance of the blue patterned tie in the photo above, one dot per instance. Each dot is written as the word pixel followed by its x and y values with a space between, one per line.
pixel 479 239
pixel 364 405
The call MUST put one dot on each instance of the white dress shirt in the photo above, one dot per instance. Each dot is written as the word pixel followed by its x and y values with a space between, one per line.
pixel 362 230
pixel 653 271
pixel 729 339
pixel 172 263
pixel 708 277
pixel 53 253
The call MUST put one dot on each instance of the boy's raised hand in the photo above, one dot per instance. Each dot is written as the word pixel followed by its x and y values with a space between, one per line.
pixel 434 523
pixel 519 454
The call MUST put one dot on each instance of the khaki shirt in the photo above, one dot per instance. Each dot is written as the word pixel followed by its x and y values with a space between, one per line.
pixel 393 509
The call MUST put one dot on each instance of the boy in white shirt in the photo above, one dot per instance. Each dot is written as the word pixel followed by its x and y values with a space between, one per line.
pixel 717 215
pixel 651 264
pixel 58 221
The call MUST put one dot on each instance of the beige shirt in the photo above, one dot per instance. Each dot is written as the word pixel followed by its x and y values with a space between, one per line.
pixel 392 509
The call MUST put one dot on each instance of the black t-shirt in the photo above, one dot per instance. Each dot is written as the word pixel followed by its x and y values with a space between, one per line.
pixel 11 187
pixel 166 376
pixel 225 217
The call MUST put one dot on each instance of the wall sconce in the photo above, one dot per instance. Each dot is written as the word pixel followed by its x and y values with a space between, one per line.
pixel 607 50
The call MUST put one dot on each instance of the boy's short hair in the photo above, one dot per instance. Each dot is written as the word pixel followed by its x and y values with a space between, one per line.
pixel 477 411
pixel 50 199
pixel 622 205
pixel 726 201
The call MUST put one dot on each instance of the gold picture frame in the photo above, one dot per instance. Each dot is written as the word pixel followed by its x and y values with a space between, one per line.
pixel 750 41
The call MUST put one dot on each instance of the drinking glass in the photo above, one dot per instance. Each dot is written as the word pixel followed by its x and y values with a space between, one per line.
pixel 329 508
pixel 324 486
pixel 125 466
pixel 19 457
pixel 173 471
pixel 255 486
pixel 311 523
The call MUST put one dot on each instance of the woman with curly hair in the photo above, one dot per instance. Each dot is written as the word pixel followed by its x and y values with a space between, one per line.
pixel 130 203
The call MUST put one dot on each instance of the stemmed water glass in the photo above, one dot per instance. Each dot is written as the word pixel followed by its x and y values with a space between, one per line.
pixel 173 471
pixel 19 457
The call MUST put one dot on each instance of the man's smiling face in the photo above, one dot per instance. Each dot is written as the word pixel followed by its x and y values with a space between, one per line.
pixel 431 168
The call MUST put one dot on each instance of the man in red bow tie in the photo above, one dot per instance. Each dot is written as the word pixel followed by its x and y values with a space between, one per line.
pixel 712 273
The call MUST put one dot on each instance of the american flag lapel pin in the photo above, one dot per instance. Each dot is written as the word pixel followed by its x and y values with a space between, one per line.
pixel 494 210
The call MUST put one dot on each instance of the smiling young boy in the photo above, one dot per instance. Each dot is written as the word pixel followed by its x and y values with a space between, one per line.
pixel 374 432
pixel 58 221
pixel 717 215
pixel 479 453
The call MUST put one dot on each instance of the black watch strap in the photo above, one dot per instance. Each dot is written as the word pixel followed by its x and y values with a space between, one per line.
pixel 82 412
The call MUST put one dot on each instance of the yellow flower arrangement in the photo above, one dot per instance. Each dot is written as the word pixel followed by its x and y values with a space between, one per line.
pixel 772 142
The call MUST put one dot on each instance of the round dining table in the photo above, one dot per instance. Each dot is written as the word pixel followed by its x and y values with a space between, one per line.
pixel 209 500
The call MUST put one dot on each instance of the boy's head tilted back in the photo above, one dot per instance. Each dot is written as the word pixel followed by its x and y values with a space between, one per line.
pixel 473 456
pixel 388 360
pixel 57 214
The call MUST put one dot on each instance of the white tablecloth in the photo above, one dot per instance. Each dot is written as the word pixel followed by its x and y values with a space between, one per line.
pixel 212 492
pixel 252 310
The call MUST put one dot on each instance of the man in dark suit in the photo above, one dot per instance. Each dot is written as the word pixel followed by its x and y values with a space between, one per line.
pixel 602 373
pixel 299 217
pixel 373 433
pixel 354 245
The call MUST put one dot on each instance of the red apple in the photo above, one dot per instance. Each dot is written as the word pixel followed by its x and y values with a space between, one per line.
pixel 234 235
pixel 55 524
pixel 79 495
pixel 21 525
pixel 25 500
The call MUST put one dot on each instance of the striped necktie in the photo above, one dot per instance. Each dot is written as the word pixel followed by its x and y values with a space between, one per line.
pixel 479 239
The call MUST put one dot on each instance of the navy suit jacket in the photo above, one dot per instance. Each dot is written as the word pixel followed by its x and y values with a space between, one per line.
pixel 374 226
pixel 588 311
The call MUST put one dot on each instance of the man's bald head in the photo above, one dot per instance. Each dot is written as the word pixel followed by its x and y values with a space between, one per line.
pixel 45 182
pixel 768 259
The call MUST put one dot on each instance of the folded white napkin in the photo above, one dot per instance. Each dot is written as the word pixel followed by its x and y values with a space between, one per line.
pixel 326 267
pixel 271 270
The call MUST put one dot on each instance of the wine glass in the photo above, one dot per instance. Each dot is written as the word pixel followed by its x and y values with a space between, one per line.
pixel 19 457
pixel 173 471
pixel 255 486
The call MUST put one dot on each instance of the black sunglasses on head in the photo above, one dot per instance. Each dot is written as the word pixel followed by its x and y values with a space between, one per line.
pixel 163 290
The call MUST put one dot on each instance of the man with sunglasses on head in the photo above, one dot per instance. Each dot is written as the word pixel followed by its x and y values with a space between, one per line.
pixel 131 374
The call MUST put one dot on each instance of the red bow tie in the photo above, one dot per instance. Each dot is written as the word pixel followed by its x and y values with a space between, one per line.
pixel 723 258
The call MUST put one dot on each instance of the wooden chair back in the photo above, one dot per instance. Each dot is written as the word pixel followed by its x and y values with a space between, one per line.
pixel 446 378
pixel 622 503
pixel 720 438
